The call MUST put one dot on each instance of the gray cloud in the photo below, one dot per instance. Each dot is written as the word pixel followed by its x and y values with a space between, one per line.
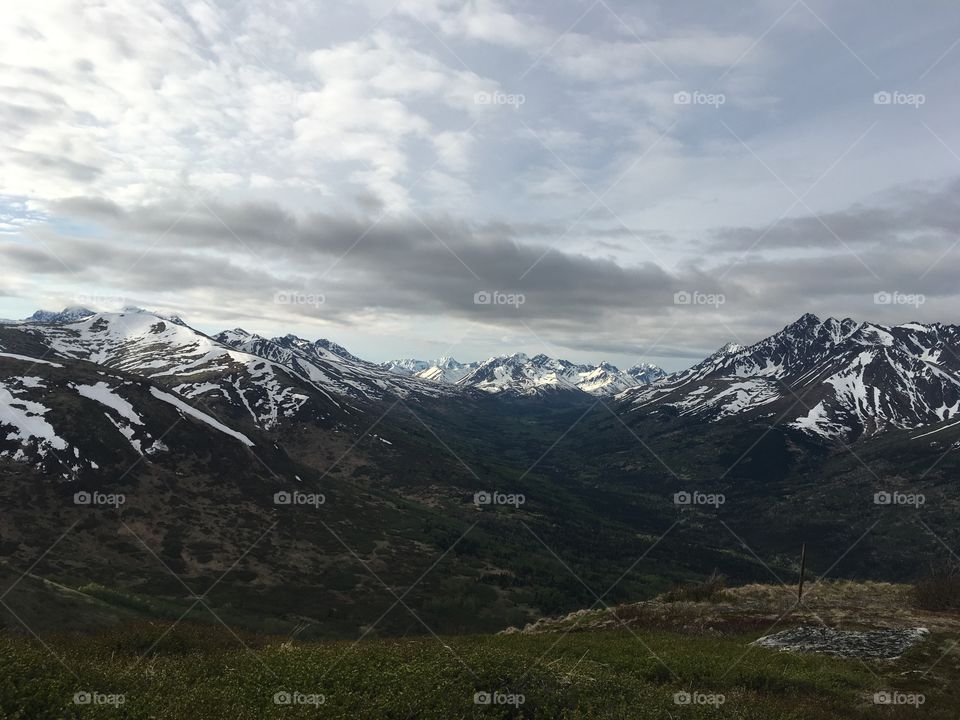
pixel 244 253
pixel 71 169
pixel 916 210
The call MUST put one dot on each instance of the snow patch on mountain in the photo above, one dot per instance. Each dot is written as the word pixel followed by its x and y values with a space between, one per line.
pixel 831 378
pixel 25 421
pixel 201 416
pixel 68 314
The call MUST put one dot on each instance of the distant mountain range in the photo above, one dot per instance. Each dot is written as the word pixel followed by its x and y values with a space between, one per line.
pixel 525 375
pixel 200 433
pixel 508 373
pixel 833 378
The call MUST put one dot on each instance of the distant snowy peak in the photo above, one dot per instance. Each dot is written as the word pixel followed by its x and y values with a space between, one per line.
pixel 406 366
pixel 645 373
pixel 831 378
pixel 67 315
pixel 447 370
pixel 524 375
pixel 442 370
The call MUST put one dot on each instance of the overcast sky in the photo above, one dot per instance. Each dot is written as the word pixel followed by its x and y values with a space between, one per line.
pixel 616 180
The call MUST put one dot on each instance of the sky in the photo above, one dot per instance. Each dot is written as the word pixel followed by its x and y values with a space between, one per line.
pixel 620 181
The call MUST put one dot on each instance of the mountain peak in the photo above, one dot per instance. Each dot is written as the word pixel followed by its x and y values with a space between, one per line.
pixel 806 320
pixel 69 314
pixel 863 378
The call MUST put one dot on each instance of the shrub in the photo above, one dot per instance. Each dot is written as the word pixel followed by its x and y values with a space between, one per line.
pixel 939 589
pixel 709 590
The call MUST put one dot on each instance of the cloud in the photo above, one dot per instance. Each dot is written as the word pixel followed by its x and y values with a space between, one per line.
pixel 480 20
pixel 400 265
pixel 915 211
pixel 204 156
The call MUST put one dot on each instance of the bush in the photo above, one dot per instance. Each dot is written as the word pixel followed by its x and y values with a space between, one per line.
pixel 710 590
pixel 939 589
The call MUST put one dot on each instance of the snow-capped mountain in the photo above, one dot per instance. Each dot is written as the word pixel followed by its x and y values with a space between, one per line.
pixel 406 366
pixel 180 358
pixel 645 373
pixel 447 370
pixel 524 375
pixel 266 381
pixel 69 314
pixel 831 378
pixel 74 420
pixel 443 370
pixel 329 366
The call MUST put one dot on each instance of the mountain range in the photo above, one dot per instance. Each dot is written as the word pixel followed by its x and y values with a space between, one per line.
pixel 199 434
pixel 518 373
pixel 832 378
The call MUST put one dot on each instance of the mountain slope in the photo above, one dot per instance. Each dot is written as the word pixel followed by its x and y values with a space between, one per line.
pixel 831 379
pixel 446 370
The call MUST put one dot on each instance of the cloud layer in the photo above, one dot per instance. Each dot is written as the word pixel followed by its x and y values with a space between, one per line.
pixel 396 159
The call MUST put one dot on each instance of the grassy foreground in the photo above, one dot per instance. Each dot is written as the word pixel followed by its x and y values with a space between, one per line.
pixel 203 672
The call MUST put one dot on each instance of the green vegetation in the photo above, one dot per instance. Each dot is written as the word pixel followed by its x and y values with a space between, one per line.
pixel 710 590
pixel 201 672
pixel 939 589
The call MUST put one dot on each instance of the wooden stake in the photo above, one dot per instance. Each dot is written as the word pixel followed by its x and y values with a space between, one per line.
pixel 803 568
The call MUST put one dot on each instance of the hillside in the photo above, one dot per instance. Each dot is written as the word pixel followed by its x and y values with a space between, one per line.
pixel 671 666
pixel 198 434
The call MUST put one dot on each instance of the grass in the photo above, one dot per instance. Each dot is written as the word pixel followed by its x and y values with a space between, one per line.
pixel 201 672
pixel 756 607
pixel 938 590
pixel 710 590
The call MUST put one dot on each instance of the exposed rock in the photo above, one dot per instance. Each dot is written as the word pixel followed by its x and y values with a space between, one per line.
pixel 885 644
